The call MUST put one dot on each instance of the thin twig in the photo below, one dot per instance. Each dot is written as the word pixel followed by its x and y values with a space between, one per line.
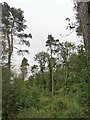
pixel 67 34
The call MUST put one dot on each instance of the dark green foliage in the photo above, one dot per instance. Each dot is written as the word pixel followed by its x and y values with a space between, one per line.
pixel 42 59
pixel 64 71
pixel 8 96
pixel 33 99
pixel 28 97
pixel 17 96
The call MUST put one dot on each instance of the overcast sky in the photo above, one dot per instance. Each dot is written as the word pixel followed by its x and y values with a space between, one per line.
pixel 44 17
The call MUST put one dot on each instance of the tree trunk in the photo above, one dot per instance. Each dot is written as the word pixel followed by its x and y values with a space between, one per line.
pixel 52 74
pixel 84 16
pixel 10 50
pixel 9 54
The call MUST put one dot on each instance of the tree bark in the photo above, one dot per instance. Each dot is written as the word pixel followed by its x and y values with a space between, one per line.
pixel 84 16
pixel 52 74
pixel 10 50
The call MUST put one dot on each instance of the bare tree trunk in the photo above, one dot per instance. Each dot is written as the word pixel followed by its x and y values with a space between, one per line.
pixel 10 50
pixel 52 74
pixel 9 53
pixel 84 16
pixel 52 83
